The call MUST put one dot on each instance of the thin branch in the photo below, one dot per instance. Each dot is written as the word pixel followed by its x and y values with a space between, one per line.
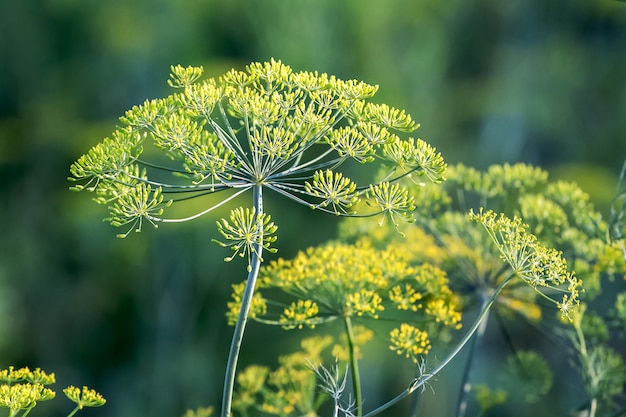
pixel 420 381
pixel 202 213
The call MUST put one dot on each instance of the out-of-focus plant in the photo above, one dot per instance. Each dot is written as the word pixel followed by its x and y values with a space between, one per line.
pixel 199 412
pixel 399 278
pixel 595 330
pixel 22 389
pixel 557 214
pixel 506 236
pixel 265 128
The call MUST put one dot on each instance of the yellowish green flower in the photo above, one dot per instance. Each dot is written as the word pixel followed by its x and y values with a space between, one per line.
pixel 487 398
pixel 299 134
pixel 537 265
pixel 299 313
pixel 266 127
pixel 409 341
pixel 23 396
pixel 38 376
pixel 339 281
pixel 85 397
pixel 527 375
pixel 246 232
pixel 364 302
pixel 12 375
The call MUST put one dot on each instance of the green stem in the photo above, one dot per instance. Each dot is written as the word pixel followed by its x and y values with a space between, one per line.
pixel 420 381
pixel 466 386
pixel 74 411
pixel 589 369
pixel 354 365
pixel 235 347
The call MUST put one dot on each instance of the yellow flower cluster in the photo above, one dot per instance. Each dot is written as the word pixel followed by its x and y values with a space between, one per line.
pixel 22 389
pixel 12 375
pixel 85 397
pixel 364 302
pixel 409 341
pixel 339 281
pixel 257 128
pixel 299 313
pixel 537 265
pixel 23 396
pixel 257 307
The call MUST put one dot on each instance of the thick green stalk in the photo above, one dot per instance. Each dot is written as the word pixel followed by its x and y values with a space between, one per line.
pixel 466 386
pixel 420 381
pixel 354 365
pixel 235 346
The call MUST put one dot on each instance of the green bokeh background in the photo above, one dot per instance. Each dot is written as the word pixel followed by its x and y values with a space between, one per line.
pixel 142 319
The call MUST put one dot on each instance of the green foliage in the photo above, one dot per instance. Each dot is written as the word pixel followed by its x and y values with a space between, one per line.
pixel 617 215
pixel 527 375
pixel 488 399
pixel 602 369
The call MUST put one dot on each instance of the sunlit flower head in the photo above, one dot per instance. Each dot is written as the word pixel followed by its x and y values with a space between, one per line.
pixel 266 127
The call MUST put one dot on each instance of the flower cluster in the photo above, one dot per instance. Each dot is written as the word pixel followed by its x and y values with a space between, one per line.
pixel 246 232
pixel 363 283
pixel 22 389
pixel 558 214
pixel 537 265
pixel 85 397
pixel 290 389
pixel 265 127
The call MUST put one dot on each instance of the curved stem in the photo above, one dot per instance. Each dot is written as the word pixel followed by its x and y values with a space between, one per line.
pixel 235 347
pixel 466 386
pixel 202 213
pixel 354 365
pixel 418 382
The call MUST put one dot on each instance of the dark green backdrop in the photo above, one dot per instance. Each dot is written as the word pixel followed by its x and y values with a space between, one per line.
pixel 142 319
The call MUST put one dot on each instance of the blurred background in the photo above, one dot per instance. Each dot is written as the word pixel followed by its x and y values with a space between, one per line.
pixel 142 319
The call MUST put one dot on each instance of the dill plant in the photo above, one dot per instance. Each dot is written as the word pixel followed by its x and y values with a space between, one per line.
pixel 264 128
pixel 509 237
pixel 22 389
pixel 416 280
pixel 363 288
